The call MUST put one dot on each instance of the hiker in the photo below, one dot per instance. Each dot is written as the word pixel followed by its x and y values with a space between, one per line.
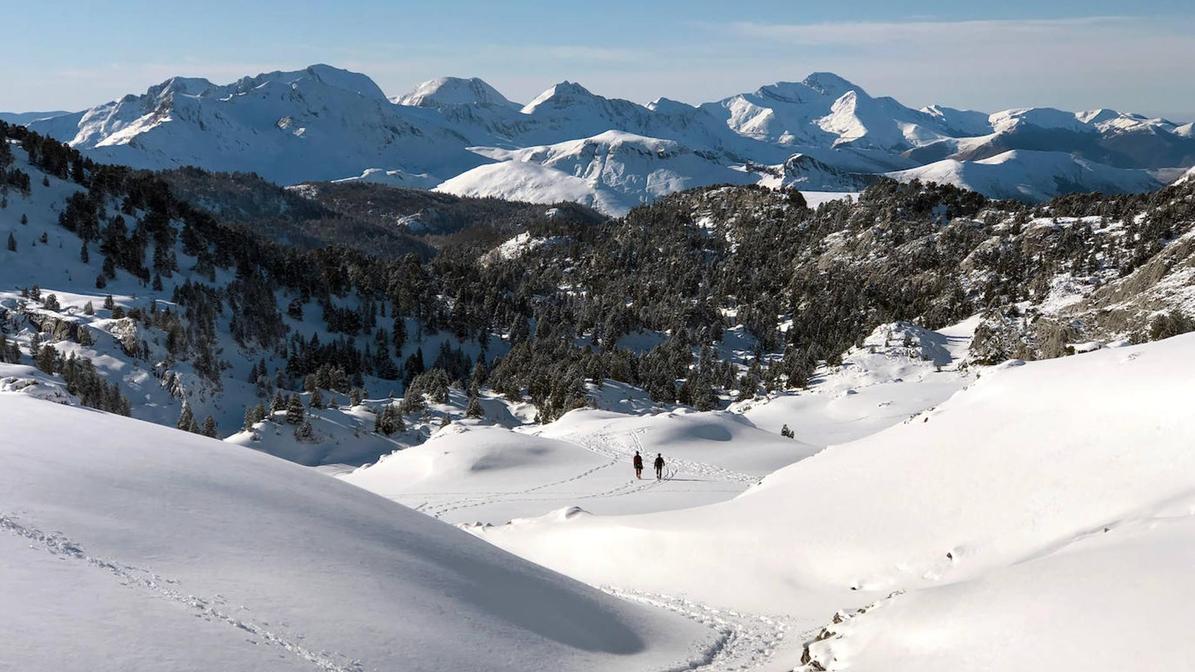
pixel 659 466
pixel 638 462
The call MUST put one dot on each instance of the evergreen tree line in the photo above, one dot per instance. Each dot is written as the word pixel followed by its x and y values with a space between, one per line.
pixel 801 285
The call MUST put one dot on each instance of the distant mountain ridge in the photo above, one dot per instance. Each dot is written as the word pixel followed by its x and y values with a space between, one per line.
pixel 325 123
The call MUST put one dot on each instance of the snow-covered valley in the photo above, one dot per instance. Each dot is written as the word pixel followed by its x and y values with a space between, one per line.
pixel 905 428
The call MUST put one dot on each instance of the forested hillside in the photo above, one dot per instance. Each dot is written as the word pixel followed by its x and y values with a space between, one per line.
pixel 194 296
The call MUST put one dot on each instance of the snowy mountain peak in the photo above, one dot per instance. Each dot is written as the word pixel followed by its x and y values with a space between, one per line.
pixel 188 86
pixel 1041 117
pixel 669 106
pixel 830 84
pixel 1097 116
pixel 819 85
pixel 968 122
pixel 560 95
pixel 327 75
pixel 454 91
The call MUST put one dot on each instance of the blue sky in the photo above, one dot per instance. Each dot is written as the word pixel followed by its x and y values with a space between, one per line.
pixel 1064 53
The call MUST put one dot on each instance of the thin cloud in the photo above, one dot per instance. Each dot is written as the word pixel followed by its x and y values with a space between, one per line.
pixel 886 32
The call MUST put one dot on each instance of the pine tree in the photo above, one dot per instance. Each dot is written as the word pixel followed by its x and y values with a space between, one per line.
pixel 12 243
pixel 209 427
pixel 24 219
pixel 186 420
pixel 304 432
pixel 88 309
pixel 355 396
pixel 279 402
pixel 109 304
pixel 47 358
pixel 294 410
pixel 399 333
pixel 474 410
pixel 388 421
pixel 317 399
pixel 787 433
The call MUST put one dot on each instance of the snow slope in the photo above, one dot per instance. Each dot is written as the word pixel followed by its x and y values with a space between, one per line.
pixel 194 554
pixel 533 183
pixel 973 508
pixel 1032 175
pixel 27 117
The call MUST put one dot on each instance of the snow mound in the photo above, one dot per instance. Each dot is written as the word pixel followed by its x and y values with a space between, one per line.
pixel 481 457
pixel 197 554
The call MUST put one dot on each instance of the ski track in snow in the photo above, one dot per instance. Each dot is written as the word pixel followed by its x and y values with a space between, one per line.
pixel 602 443
pixel 211 609
pixel 744 641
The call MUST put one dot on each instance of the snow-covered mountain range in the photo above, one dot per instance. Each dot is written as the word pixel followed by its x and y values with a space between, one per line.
pixel 324 123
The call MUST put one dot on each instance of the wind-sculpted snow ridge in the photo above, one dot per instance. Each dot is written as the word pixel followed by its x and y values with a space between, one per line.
pixel 323 123
pixel 197 554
